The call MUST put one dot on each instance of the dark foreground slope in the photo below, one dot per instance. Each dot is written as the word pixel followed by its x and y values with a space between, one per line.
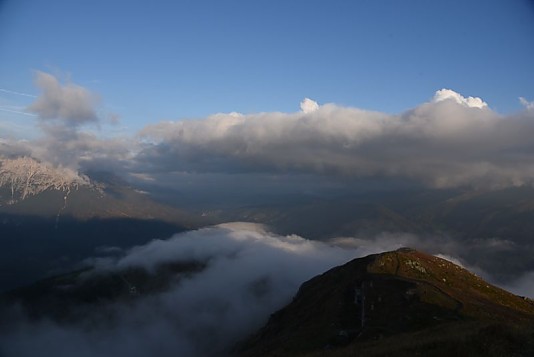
pixel 410 303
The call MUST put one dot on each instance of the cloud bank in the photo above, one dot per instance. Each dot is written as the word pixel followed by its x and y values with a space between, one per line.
pixel 449 141
pixel 249 274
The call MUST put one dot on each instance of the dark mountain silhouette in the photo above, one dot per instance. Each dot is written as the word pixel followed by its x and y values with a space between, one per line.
pixel 398 304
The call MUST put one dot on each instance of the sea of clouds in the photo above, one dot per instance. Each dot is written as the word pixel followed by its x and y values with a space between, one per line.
pixel 250 273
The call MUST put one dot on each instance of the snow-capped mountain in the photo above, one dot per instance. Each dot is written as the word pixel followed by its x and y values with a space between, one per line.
pixel 51 218
pixel 24 177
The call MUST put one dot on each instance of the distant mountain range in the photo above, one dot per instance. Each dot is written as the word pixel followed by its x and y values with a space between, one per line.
pixel 466 213
pixel 52 218
pixel 491 229
pixel 399 303
pixel 31 188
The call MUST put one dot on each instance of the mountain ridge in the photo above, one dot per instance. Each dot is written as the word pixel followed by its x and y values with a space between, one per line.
pixel 25 176
pixel 376 299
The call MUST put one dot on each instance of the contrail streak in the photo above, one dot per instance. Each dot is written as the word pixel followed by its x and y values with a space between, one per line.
pixel 17 93
pixel 17 112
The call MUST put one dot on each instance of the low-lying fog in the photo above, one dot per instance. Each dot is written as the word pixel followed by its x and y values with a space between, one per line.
pixel 250 273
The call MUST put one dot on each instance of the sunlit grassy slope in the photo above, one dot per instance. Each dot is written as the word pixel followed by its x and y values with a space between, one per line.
pixel 413 303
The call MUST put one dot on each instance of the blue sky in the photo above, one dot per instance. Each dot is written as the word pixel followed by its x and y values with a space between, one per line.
pixel 152 61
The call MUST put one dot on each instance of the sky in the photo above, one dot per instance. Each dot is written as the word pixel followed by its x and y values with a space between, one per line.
pixel 437 93
pixel 163 60
pixel 267 93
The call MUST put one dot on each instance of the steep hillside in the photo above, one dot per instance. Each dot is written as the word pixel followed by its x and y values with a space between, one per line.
pixel 398 303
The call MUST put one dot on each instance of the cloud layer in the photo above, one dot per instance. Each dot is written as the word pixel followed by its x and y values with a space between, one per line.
pixel 250 273
pixel 69 103
pixel 450 141
pixel 65 114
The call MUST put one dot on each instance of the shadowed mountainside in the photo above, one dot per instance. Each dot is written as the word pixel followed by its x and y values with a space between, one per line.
pixel 35 247
pixel 74 296
pixel 50 221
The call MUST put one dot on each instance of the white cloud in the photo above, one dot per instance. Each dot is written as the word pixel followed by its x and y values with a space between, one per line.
pixel 528 105
pixel 449 141
pixel 68 102
pixel 442 143
pixel 228 240
pixel 250 274
pixel 307 105
pixel 450 259
pixel 63 110
pixel 471 102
